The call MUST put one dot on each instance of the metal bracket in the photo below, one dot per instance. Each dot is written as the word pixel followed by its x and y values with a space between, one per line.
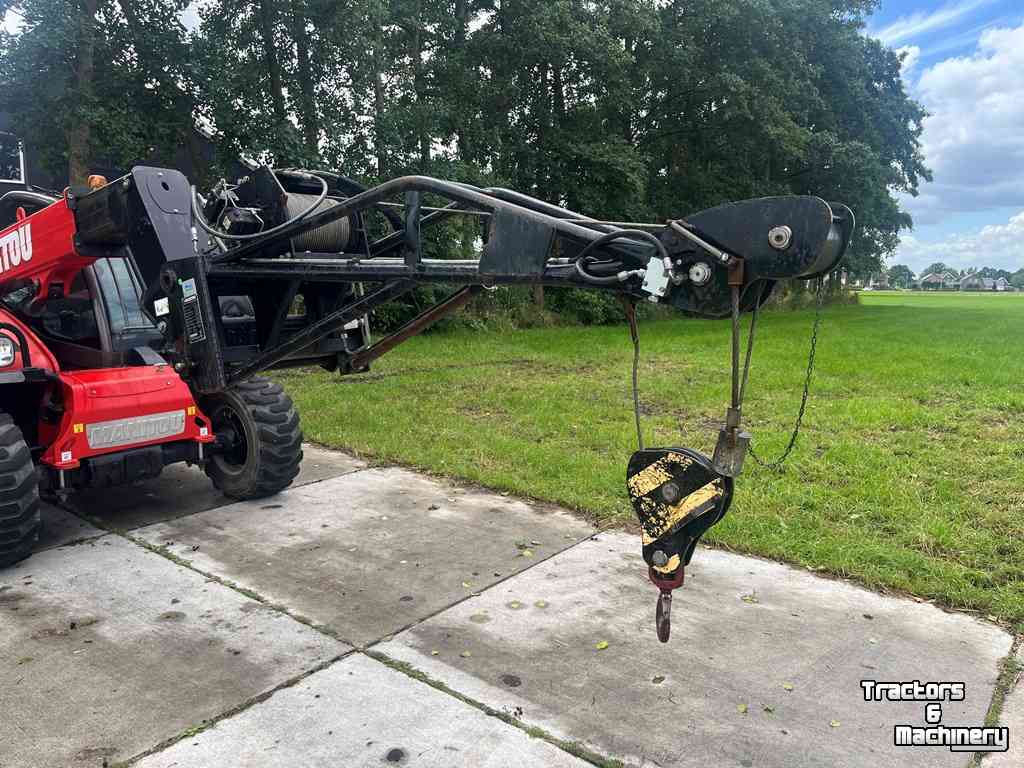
pixel 657 278
pixel 682 231
pixel 730 451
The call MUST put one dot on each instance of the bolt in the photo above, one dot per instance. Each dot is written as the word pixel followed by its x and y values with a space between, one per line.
pixel 659 558
pixel 670 493
pixel 700 273
pixel 780 237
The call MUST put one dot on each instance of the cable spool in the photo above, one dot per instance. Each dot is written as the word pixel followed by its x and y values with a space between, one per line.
pixel 332 237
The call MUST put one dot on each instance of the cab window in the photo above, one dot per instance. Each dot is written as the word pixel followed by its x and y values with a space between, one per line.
pixel 70 317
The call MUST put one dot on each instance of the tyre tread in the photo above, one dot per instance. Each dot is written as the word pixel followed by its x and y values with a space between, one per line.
pixel 20 519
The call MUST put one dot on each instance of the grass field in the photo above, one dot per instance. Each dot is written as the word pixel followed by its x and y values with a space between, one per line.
pixel 909 473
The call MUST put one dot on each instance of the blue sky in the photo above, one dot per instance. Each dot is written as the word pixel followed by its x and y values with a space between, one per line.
pixel 965 64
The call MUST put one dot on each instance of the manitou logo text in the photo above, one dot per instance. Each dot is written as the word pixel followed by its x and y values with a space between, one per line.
pixel 16 248
pixel 135 429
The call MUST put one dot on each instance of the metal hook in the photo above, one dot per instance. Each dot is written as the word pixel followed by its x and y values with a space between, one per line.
pixel 663 616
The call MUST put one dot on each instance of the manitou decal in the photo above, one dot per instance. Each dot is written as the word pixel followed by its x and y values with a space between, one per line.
pixel 16 247
pixel 136 429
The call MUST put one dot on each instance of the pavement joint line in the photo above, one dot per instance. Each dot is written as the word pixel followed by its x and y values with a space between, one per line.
pixel 574 748
pixel 1009 668
pixel 254 595
pixel 625 524
pixel 75 542
pixel 475 594
pixel 206 725
pixel 244 591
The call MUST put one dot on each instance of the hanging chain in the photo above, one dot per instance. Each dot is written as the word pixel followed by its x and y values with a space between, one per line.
pixel 777 463
pixel 630 306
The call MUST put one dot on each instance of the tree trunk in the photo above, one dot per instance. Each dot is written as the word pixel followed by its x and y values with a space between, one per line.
pixel 268 18
pixel 538 296
pixel 461 32
pixel 542 168
pixel 184 104
pixel 79 133
pixel 307 96
pixel 378 97
pixel 423 136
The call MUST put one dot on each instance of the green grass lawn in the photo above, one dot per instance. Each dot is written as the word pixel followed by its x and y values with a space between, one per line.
pixel 909 473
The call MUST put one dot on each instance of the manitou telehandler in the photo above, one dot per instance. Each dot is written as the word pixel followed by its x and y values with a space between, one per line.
pixel 136 315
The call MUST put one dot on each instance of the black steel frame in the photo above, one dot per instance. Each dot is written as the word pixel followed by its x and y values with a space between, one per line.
pixel 521 235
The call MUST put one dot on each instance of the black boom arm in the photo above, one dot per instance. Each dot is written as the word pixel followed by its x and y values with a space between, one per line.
pixel 281 236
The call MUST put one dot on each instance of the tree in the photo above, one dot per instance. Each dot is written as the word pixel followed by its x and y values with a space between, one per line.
pixel 89 83
pixel 937 268
pixel 617 108
pixel 901 275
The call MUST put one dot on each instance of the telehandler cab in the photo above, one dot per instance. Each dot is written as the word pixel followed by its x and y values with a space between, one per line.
pixel 135 317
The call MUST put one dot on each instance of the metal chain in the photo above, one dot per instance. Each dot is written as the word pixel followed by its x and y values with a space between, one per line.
pixel 777 463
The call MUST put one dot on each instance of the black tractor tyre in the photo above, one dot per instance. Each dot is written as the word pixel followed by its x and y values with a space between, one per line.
pixel 20 521
pixel 261 442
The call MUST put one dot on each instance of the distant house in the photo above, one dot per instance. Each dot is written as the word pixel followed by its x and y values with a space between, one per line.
pixel 1002 284
pixel 939 281
pixel 974 282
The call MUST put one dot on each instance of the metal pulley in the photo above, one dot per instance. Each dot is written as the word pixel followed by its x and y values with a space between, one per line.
pixel 677 495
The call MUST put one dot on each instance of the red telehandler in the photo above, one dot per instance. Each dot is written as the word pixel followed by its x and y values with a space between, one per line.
pixel 135 317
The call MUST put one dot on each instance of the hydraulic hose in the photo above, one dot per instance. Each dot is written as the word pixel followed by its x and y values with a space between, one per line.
pixel 584 255
pixel 206 227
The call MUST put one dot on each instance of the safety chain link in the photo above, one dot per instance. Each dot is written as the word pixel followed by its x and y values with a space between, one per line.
pixel 777 463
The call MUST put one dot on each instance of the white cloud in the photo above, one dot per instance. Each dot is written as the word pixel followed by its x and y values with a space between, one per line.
pixel 909 27
pixel 973 139
pixel 911 55
pixel 1000 246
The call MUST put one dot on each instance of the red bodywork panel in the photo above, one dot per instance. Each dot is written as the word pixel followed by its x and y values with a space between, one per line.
pixel 106 410
pixel 114 409
pixel 42 247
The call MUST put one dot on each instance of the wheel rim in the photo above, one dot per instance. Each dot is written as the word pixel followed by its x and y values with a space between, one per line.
pixel 228 425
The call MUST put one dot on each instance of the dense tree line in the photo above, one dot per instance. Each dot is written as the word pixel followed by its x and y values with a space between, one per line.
pixel 621 108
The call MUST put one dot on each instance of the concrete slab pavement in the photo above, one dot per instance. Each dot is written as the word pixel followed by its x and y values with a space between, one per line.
pixel 182 490
pixel 745 631
pixel 369 553
pixel 357 713
pixel 107 649
pixel 60 527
